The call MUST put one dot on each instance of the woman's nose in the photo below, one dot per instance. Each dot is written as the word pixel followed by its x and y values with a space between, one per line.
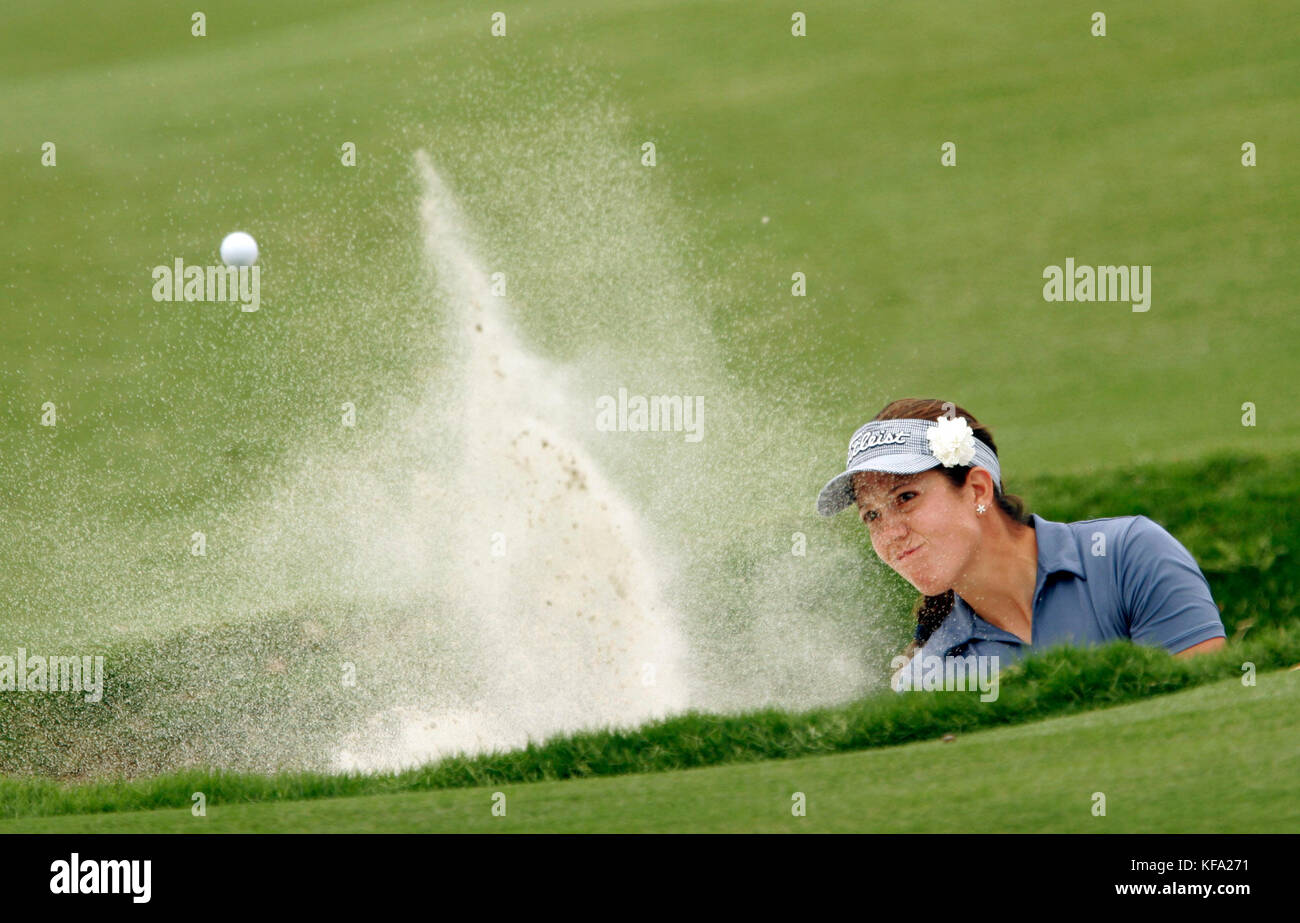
pixel 892 527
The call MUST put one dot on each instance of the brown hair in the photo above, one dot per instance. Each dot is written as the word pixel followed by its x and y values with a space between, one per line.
pixel 930 611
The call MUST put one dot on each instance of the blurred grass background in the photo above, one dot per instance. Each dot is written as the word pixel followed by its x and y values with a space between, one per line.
pixel 922 280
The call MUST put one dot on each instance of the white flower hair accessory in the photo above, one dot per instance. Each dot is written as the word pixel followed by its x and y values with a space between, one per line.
pixel 952 441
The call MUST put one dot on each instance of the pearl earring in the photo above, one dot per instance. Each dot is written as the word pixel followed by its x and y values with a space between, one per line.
pixel 980 509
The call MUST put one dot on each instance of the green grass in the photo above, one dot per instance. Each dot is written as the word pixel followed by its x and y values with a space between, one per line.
pixel 1222 758
pixel 1059 681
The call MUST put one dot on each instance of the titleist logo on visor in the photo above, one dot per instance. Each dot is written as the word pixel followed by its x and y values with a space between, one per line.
pixel 869 440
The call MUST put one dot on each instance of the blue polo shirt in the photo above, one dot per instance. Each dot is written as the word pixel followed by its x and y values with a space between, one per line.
pixel 1098 580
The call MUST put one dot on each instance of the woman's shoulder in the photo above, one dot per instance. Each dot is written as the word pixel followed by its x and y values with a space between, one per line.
pixel 1110 548
pixel 1086 531
pixel 1122 523
pixel 1134 543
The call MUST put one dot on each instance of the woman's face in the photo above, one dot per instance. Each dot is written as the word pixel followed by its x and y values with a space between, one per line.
pixel 920 525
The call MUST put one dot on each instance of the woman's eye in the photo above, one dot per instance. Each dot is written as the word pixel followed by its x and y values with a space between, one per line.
pixel 906 493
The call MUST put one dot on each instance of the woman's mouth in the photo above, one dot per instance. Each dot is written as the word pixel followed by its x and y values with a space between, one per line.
pixel 907 553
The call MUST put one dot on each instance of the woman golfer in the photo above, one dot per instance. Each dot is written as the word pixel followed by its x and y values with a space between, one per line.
pixel 995 580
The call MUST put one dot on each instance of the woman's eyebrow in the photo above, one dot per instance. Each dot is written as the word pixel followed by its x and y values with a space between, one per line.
pixel 897 487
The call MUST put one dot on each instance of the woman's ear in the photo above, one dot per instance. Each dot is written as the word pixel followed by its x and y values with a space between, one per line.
pixel 981 482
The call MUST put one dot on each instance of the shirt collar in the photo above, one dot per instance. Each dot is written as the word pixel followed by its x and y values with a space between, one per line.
pixel 1058 552
pixel 1057 549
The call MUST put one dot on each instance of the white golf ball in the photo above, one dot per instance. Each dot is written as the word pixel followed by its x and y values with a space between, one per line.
pixel 239 249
